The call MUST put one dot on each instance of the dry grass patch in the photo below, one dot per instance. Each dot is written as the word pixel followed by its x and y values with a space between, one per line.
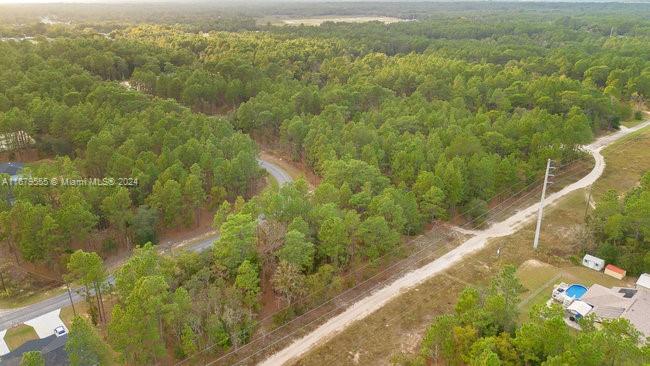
pixel 626 160
pixel 18 335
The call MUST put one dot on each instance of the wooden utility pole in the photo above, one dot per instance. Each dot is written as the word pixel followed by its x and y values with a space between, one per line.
pixel 74 311
pixel 541 205
pixel 2 280
pixel 591 188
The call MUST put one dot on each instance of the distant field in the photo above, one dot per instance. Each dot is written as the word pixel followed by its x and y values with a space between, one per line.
pixel 319 21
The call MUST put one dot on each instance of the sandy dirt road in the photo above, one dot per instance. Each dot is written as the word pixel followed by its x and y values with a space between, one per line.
pixel 376 300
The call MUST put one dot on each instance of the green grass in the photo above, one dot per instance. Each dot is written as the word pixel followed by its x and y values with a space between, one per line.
pixel 18 335
pixel 626 160
pixel 539 278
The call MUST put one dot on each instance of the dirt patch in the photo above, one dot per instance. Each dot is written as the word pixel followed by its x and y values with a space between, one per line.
pixel 533 263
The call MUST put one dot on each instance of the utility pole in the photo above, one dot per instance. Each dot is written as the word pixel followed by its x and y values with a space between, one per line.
pixel 541 205
pixel 591 188
pixel 74 311
pixel 2 280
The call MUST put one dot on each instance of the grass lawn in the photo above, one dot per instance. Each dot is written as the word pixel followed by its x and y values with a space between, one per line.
pixel 18 335
pixel 626 160
pixel 538 279
pixel 67 314
pixel 397 328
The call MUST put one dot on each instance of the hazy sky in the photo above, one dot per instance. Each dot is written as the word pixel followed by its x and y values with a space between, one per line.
pixel 158 1
pixel 142 1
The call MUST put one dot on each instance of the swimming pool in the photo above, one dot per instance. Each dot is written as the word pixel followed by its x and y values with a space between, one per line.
pixel 575 291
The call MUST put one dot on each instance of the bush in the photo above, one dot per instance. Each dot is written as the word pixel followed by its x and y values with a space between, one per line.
pixel 477 210
pixel 638 115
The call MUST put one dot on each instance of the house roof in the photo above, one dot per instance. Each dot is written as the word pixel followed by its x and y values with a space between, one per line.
pixel 613 268
pixel 632 304
pixel 639 313
pixel 607 303
pixel 644 281
pixel 52 348
pixel 580 307
pixel 10 168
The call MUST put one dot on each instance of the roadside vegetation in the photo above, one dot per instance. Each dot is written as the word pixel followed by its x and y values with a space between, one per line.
pixel 483 331
pixel 394 333
pixel 621 226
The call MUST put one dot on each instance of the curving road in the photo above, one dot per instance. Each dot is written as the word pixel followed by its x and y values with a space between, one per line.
pixel 12 317
pixel 281 176
pixel 376 300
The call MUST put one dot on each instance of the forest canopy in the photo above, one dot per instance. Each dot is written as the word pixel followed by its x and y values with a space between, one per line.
pixel 398 125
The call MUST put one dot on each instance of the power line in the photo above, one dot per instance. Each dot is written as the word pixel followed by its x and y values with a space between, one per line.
pixel 417 260
pixel 405 261
pixel 623 142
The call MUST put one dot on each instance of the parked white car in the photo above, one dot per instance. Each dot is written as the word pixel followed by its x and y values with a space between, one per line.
pixel 60 331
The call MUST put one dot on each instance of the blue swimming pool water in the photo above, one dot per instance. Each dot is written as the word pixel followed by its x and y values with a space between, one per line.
pixel 576 291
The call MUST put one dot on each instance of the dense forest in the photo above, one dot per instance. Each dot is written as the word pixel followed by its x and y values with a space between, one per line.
pixel 403 124
pixel 621 226
pixel 177 159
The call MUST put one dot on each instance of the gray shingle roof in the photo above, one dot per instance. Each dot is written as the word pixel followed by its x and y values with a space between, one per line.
pixel 10 168
pixel 52 348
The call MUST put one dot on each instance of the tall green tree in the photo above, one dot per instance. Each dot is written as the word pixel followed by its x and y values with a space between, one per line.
pixel 237 241
pixel 88 269
pixel 84 346
pixel 116 207
pixel 248 281
pixel 297 250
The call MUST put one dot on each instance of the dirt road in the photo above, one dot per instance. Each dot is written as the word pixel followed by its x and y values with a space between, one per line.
pixel 376 300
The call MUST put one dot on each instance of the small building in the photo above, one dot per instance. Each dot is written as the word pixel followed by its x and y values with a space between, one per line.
pixel 616 272
pixel 578 309
pixel 592 262
pixel 643 281
pixel 12 169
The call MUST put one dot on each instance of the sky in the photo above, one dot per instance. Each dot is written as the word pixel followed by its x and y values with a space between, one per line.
pixel 152 1
pixel 231 2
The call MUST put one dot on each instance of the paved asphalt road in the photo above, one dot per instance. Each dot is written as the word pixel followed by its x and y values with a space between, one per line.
pixel 12 317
